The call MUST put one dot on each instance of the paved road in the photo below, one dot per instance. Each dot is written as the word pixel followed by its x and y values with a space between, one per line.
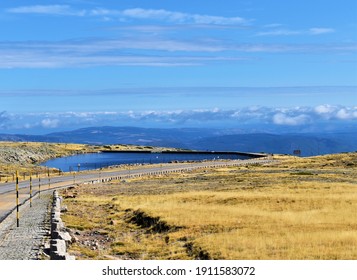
pixel 24 242
pixel 7 190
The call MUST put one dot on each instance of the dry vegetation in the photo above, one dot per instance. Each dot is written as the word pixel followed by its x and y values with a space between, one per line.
pixel 301 208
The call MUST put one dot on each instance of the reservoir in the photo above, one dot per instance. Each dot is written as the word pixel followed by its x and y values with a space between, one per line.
pixel 104 159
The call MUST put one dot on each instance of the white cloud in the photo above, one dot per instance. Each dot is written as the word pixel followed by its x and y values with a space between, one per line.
pixel 104 12
pixel 343 114
pixel 336 112
pixel 319 30
pixel 115 52
pixel 155 14
pixel 3 118
pixel 283 119
pixel 289 32
pixel 347 113
pixel 273 25
pixel 135 13
pixel 279 32
pixel 50 123
pixel 108 52
pixel 61 61
pixel 47 9
pixel 325 109
pixel 179 17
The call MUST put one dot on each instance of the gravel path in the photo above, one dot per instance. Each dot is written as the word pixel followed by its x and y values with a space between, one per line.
pixel 26 241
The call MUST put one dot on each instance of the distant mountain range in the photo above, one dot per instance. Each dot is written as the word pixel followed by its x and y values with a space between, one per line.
pixel 203 139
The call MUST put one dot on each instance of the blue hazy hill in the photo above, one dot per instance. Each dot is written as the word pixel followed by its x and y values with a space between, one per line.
pixel 203 139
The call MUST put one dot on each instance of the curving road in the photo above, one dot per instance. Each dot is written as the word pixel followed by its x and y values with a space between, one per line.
pixel 8 193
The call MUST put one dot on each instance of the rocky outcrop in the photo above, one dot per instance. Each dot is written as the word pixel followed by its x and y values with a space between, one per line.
pixel 25 154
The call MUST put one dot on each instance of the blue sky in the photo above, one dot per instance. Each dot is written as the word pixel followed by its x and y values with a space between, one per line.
pixel 163 63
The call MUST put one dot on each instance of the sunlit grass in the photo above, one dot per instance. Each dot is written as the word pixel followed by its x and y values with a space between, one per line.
pixel 259 212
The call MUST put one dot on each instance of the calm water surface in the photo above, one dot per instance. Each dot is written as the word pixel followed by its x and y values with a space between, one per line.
pixel 99 160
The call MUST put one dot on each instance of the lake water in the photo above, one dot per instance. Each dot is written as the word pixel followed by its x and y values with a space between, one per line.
pixel 99 160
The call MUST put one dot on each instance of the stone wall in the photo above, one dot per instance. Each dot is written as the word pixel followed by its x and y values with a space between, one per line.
pixel 60 238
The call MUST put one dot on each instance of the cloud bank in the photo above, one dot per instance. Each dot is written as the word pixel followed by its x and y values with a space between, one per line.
pixel 298 117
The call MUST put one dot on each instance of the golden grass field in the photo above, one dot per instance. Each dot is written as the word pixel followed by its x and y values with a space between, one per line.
pixel 299 208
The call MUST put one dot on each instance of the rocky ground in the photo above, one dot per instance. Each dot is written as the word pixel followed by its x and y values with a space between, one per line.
pixel 25 154
pixel 25 157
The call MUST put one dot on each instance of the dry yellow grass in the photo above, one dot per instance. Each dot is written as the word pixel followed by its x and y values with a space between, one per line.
pixel 302 208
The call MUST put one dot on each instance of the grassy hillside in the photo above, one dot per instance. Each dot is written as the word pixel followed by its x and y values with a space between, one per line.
pixel 300 208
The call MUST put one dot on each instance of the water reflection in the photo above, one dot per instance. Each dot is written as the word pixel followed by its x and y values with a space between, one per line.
pixel 101 160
